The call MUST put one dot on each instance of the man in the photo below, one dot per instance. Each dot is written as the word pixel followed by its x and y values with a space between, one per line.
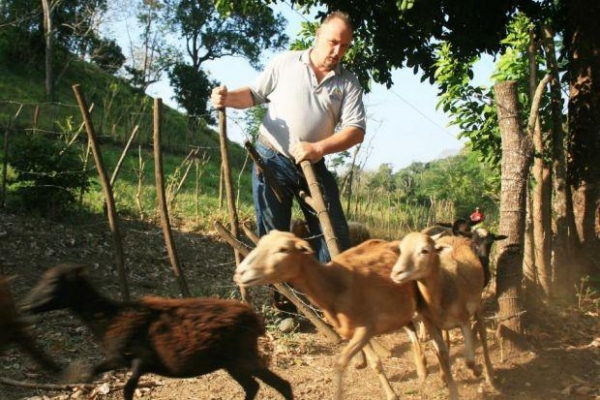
pixel 309 95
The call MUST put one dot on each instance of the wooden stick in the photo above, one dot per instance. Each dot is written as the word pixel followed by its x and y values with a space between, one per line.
pixel 162 201
pixel 266 171
pixel 233 217
pixel 67 386
pixel 107 189
pixel 318 204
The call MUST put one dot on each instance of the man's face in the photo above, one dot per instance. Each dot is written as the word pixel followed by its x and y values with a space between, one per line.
pixel 332 41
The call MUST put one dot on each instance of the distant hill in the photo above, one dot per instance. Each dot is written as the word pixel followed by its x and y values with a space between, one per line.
pixel 117 109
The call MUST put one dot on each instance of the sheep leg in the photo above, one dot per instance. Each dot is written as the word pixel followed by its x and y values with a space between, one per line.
pixel 443 355
pixel 489 369
pixel 375 363
pixel 276 382
pixel 246 381
pixel 357 343
pixel 470 348
pixel 132 382
pixel 420 360
pixel 25 342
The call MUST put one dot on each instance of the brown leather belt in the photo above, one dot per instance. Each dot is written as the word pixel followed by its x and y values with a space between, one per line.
pixel 265 142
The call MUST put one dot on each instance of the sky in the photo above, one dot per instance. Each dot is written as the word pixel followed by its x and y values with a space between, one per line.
pixel 403 124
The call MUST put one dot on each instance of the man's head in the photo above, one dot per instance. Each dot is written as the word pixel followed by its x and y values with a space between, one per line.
pixel 333 39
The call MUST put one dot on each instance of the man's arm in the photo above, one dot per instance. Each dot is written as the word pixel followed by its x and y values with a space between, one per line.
pixel 340 141
pixel 239 98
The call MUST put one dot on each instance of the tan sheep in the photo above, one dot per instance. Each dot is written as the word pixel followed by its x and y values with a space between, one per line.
pixel 354 290
pixel 450 278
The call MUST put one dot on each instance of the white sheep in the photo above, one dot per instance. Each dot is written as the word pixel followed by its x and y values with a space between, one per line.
pixel 354 291
pixel 450 279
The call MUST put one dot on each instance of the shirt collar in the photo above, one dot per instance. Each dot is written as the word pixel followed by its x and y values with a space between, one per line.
pixel 305 58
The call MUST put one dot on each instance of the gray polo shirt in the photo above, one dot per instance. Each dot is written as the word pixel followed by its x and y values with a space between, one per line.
pixel 300 109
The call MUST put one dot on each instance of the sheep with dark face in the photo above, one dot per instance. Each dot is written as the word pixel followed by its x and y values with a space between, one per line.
pixel 13 330
pixel 177 338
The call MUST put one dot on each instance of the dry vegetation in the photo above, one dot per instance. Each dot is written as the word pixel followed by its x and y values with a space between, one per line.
pixel 560 360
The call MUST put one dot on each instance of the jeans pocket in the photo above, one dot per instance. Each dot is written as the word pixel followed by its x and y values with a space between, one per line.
pixel 265 152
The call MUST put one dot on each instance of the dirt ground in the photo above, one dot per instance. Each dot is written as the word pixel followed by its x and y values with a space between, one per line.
pixel 560 360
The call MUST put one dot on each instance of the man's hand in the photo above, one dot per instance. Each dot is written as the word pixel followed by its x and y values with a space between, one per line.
pixel 307 151
pixel 218 97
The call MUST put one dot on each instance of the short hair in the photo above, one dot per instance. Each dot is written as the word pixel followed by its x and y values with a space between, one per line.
pixel 344 16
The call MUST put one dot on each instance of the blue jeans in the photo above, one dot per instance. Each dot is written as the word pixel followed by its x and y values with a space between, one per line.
pixel 271 214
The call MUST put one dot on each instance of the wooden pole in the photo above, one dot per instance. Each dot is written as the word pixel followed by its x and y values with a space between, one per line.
pixel 162 201
pixel 318 204
pixel 108 193
pixel 226 168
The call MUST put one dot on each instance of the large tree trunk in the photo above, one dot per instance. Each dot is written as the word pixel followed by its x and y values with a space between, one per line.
pixel 516 158
pixel 583 43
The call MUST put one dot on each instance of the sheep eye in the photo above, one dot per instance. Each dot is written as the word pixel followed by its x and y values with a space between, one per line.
pixel 425 251
pixel 283 250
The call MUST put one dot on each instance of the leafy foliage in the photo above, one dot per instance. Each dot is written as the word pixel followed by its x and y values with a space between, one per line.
pixel 192 89
pixel 245 29
pixel 47 175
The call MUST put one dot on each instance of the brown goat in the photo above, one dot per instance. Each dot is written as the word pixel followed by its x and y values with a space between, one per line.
pixel 170 337
pixel 450 278
pixel 354 291
pixel 13 329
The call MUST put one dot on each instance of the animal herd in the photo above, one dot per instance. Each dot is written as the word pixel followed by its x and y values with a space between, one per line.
pixel 373 288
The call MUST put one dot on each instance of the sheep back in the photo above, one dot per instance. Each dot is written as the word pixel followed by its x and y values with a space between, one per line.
pixel 188 337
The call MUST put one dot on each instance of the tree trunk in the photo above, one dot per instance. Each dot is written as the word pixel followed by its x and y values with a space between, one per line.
pixel 560 260
pixel 48 32
pixel 540 192
pixel 583 44
pixel 516 158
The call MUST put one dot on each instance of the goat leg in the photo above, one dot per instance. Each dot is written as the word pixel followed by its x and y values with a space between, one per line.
pixel 443 355
pixel 245 380
pixel 489 369
pixel 420 360
pixel 276 382
pixel 375 363
pixel 25 342
pixel 132 382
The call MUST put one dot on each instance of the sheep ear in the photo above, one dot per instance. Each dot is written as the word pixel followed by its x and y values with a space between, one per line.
pixel 304 247
pixel 438 235
pixel 441 247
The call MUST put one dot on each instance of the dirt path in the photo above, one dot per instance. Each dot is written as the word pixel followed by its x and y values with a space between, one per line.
pixel 562 360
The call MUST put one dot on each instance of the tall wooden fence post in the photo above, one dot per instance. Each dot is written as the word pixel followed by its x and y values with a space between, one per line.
pixel 108 193
pixel 162 201
pixel 226 168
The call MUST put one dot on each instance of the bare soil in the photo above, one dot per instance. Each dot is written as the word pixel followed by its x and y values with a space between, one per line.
pixel 560 358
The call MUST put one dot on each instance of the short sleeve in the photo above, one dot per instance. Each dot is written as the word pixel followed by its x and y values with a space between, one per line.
pixel 265 82
pixel 353 109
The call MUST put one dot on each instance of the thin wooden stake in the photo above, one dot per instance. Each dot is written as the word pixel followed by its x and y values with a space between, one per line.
pixel 108 193
pixel 162 200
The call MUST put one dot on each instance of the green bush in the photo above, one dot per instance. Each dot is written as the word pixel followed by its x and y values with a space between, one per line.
pixel 47 174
